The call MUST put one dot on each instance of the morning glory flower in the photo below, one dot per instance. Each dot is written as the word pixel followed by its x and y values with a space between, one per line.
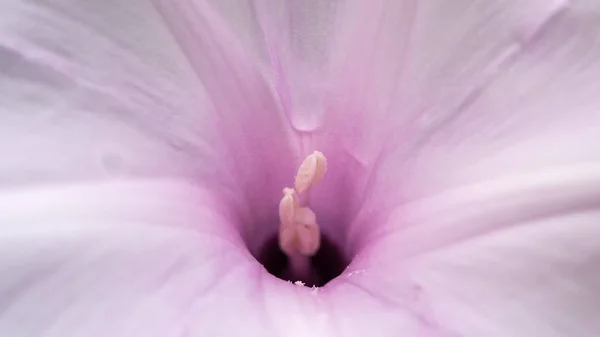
pixel 299 168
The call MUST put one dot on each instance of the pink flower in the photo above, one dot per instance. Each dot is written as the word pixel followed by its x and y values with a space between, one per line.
pixel 146 146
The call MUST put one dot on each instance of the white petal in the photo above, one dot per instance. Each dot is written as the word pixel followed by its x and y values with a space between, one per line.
pixel 95 90
pixel 514 258
pixel 523 101
pixel 116 259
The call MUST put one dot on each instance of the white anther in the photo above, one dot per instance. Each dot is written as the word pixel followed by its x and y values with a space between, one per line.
pixel 307 232
pixel 287 239
pixel 302 236
pixel 311 171
pixel 306 216
pixel 288 206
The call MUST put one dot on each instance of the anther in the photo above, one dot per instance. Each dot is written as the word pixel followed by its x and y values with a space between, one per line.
pixel 311 171
pixel 288 206
pixel 302 235
pixel 307 232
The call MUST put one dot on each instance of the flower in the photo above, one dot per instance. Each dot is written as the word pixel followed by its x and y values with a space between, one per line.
pixel 147 144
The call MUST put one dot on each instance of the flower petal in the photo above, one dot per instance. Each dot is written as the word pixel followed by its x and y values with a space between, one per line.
pixel 90 91
pixel 261 146
pixel 493 199
pixel 298 45
pixel 102 90
pixel 519 100
pixel 151 258
pixel 532 110
pixel 411 60
pixel 515 257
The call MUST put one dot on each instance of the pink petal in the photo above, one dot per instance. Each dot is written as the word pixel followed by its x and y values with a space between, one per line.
pixel 491 190
pixel 304 42
pixel 155 258
pixel 444 197
pixel 260 146
pixel 91 91
pixel 432 136
pixel 97 92
pixel 514 257
pixel 535 111
pixel 151 258
pixel 298 45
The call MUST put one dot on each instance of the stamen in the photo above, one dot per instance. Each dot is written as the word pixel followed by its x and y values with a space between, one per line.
pixel 311 171
pixel 302 235
pixel 299 234
pixel 307 231
pixel 288 206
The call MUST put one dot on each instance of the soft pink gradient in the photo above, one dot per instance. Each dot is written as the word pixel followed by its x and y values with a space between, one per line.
pixel 145 145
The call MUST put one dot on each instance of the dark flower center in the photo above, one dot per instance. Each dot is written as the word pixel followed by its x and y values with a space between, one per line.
pixel 328 263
